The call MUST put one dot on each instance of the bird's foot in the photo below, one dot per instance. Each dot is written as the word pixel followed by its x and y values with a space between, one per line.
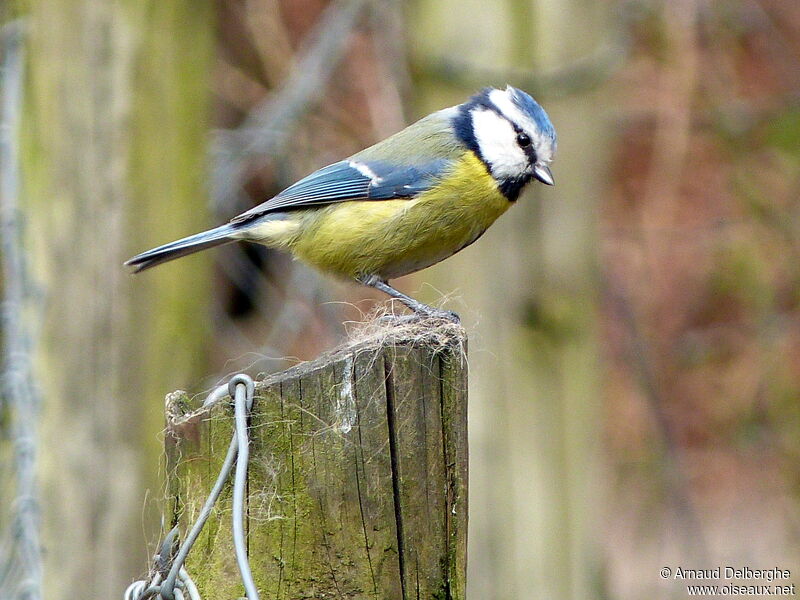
pixel 420 310
pixel 393 319
pixel 423 310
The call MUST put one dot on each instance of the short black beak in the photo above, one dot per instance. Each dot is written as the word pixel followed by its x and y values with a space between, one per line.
pixel 543 174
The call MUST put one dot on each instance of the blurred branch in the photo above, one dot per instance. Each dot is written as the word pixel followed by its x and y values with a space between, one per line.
pixel 268 127
pixel 21 560
pixel 579 76
pixel 779 24
pixel 640 358
pixel 392 79
pixel 307 292
pixel 270 38
pixel 671 142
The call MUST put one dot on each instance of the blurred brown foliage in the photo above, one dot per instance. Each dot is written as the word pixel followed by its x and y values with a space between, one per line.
pixel 700 237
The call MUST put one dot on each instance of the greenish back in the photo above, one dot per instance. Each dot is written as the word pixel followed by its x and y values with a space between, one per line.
pixel 429 139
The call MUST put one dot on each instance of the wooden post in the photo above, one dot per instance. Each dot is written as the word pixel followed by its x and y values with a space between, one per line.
pixel 357 478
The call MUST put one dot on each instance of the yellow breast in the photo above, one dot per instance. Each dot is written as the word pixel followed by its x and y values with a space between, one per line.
pixel 390 238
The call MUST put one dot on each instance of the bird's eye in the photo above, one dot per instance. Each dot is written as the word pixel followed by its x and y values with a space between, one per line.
pixel 523 139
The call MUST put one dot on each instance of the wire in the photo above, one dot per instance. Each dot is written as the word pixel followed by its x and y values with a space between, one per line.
pixel 242 389
pixel 20 550
pixel 169 583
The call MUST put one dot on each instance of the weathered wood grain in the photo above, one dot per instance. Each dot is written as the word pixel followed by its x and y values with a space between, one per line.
pixel 357 478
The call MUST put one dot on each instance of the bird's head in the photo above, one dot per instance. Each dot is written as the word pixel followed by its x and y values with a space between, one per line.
pixel 511 134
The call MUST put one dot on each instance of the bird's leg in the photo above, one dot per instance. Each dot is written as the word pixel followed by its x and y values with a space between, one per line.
pixel 415 305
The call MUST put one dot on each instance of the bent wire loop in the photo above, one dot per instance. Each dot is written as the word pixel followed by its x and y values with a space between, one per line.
pixel 170 580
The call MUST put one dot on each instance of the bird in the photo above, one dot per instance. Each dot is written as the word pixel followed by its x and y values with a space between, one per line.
pixel 403 204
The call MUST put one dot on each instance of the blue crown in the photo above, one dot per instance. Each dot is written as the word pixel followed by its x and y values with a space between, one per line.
pixel 529 106
pixel 522 100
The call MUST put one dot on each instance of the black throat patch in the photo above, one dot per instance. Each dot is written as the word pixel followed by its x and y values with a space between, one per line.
pixel 511 188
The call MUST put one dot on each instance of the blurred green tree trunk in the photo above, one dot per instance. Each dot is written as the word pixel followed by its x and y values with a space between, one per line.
pixel 528 297
pixel 115 133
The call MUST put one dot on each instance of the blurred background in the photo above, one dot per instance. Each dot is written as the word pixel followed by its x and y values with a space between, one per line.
pixel 634 331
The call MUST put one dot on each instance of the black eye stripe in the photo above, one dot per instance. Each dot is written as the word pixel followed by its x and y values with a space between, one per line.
pixel 527 146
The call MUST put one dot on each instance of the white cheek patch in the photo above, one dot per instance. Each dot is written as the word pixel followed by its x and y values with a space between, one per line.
pixel 542 144
pixel 497 141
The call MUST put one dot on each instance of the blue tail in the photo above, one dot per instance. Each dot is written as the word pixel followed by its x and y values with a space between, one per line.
pixel 188 245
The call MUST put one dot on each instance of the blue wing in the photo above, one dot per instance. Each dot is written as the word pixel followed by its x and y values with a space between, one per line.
pixel 352 180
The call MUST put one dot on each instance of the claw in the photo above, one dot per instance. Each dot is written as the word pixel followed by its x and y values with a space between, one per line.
pixel 438 313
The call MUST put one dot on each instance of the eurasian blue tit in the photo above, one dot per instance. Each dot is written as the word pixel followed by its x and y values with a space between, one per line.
pixel 403 204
